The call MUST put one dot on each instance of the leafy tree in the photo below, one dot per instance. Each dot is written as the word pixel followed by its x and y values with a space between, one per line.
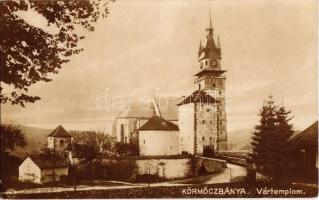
pixel 51 154
pixel 85 152
pixel 269 138
pixel 100 140
pixel 11 137
pixel 30 54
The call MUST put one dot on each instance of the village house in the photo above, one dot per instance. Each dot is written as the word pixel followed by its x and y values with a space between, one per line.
pixel 39 169
pixel 303 149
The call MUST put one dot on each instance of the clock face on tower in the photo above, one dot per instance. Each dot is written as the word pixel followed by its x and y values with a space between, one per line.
pixel 201 65
pixel 213 63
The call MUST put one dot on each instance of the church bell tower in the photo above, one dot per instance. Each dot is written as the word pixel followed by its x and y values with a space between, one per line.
pixel 211 79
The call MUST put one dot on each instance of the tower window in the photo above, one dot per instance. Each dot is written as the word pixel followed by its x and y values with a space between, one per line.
pixel 171 147
pixel 203 121
pixel 220 92
pixel 206 62
pixel 61 143
pixel 210 138
pixel 143 141
pixel 210 122
pixel 203 138
pixel 214 85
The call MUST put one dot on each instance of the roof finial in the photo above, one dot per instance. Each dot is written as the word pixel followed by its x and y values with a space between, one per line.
pixel 156 108
pixel 210 28
pixel 218 43
pixel 210 19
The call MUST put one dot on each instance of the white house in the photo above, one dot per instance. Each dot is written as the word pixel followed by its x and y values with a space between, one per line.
pixel 37 169
pixel 158 137
pixel 58 139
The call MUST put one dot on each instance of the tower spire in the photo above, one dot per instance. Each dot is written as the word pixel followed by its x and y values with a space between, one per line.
pixel 210 20
pixel 210 27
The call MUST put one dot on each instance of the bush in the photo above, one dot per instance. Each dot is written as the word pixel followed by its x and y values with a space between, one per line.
pixel 126 149
pixel 120 170
pixel 89 171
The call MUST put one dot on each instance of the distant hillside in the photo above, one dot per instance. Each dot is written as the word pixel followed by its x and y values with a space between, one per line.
pixel 239 139
pixel 36 139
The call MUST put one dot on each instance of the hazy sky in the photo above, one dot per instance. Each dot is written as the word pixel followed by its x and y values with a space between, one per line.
pixel 268 48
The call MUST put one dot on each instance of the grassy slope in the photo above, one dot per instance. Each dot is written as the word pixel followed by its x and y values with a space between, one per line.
pixel 36 139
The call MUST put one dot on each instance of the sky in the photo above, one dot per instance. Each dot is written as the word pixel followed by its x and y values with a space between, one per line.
pixel 269 47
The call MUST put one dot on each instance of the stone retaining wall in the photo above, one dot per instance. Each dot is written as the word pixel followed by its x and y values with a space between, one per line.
pixel 210 164
pixel 171 167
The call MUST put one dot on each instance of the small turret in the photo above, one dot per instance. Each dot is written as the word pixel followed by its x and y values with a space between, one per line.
pixel 218 43
pixel 200 50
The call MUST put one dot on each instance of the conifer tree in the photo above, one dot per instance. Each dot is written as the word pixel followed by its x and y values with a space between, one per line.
pixel 262 134
pixel 285 130
pixel 269 138
pixel 283 119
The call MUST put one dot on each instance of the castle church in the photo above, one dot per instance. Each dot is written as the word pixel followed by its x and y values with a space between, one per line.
pixel 202 115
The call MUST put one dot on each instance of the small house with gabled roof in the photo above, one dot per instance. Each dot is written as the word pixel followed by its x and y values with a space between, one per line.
pixel 158 137
pixel 304 152
pixel 37 169
pixel 58 139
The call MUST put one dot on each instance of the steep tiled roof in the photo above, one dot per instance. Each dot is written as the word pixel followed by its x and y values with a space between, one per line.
pixel 59 132
pixel 158 123
pixel 167 106
pixel 198 96
pixel 307 138
pixel 44 163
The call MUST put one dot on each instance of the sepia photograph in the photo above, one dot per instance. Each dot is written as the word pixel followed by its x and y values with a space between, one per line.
pixel 108 99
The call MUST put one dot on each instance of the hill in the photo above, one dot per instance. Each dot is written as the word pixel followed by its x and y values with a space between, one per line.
pixel 239 139
pixel 36 139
